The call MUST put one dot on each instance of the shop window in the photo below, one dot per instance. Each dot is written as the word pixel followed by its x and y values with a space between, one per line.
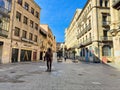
pixel 106 50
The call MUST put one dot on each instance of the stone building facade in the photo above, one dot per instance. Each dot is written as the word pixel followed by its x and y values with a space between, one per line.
pixel 24 28
pixel 94 39
pixel 22 39
pixel 71 41
pixel 115 28
pixel 51 42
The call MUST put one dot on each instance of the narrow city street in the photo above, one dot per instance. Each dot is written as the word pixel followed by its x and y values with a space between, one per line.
pixel 64 76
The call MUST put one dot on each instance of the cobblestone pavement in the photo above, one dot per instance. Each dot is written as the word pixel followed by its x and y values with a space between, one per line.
pixel 64 76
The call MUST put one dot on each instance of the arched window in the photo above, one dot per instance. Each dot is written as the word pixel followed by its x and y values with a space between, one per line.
pixel 106 50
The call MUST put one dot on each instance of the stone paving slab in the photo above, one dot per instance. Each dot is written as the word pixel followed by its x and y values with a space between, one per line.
pixel 64 76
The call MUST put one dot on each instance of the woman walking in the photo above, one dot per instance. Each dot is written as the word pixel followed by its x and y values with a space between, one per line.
pixel 49 58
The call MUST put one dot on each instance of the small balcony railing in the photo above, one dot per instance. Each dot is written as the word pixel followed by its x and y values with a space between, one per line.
pixel 86 42
pixel 106 23
pixel 106 38
pixel 3 33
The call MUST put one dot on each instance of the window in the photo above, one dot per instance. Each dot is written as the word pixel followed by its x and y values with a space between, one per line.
pixel 106 50
pixel 37 14
pixel 24 34
pixel 26 6
pixel 25 21
pixel 31 24
pixel 35 38
pixel 20 2
pixel 106 3
pixel 18 16
pixel 17 31
pixel 101 2
pixel 30 36
pixel 105 33
pixel 36 26
pixel 32 10
pixel 104 19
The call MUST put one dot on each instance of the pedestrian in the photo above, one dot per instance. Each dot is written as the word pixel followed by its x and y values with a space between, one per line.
pixel 49 59
pixel 65 58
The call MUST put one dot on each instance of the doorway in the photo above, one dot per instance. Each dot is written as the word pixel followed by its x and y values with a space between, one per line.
pixel 41 55
pixel 25 55
pixel 15 55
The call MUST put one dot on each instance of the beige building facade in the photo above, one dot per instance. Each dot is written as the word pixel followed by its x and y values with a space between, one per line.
pixel 24 26
pixel 115 28
pixel 51 42
pixel 94 39
pixel 71 41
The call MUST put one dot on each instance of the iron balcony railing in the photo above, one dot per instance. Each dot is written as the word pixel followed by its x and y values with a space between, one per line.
pixel 106 38
pixel 86 42
pixel 3 33
pixel 106 23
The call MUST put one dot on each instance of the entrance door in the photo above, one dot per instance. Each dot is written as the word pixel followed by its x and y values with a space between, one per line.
pixel 14 55
pixel 25 55
pixel 41 54
pixel 34 56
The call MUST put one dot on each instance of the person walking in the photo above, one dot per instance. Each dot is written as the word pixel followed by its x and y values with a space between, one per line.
pixel 49 59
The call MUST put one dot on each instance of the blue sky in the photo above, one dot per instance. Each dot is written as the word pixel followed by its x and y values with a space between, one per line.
pixel 58 14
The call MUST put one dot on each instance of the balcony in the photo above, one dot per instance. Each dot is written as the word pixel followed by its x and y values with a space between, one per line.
pixel 86 42
pixel 88 27
pixel 4 12
pixel 3 33
pixel 116 4
pixel 106 38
